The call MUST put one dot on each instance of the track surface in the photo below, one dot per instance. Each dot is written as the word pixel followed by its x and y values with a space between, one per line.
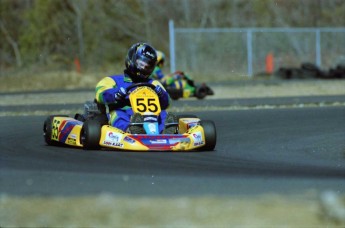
pixel 281 151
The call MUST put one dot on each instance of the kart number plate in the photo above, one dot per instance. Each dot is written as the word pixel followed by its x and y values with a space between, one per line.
pixel 144 99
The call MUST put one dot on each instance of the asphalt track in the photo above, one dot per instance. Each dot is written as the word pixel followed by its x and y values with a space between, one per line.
pixel 283 151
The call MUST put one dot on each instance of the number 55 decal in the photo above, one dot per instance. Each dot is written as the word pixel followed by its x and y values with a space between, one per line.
pixel 149 104
pixel 144 99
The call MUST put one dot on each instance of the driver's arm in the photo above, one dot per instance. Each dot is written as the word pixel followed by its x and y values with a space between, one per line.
pixel 164 99
pixel 105 91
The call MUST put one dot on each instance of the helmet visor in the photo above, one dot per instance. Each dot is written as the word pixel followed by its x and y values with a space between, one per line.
pixel 145 65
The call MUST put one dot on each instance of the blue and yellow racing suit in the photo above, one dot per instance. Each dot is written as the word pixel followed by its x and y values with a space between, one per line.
pixel 120 112
pixel 157 74
pixel 178 80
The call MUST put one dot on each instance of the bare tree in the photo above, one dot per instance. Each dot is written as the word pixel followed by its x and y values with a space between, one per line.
pixel 79 8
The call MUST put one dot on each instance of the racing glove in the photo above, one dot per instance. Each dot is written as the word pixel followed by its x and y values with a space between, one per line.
pixel 159 90
pixel 120 95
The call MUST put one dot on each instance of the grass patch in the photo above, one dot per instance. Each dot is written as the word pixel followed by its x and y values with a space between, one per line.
pixel 48 81
pixel 106 210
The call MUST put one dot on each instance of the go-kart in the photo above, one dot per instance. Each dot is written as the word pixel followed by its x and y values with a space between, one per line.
pixel 92 131
pixel 201 91
pixel 176 87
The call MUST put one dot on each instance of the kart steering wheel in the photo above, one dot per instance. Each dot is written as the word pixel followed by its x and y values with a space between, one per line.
pixel 128 89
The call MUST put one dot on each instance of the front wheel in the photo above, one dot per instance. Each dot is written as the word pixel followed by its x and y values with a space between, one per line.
pixel 200 92
pixel 210 135
pixel 91 134
pixel 174 94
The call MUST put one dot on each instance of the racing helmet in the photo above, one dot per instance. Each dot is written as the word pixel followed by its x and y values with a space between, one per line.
pixel 160 58
pixel 141 60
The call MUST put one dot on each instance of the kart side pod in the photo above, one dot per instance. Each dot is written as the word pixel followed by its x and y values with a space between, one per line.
pixel 61 129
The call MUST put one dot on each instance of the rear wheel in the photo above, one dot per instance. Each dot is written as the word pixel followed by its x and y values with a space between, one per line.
pixel 210 134
pixel 174 94
pixel 48 129
pixel 201 92
pixel 91 134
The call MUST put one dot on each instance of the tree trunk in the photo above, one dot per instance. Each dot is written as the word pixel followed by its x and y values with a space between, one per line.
pixel 13 44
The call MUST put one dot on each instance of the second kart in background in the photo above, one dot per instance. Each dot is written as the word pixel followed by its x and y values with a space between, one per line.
pixel 179 84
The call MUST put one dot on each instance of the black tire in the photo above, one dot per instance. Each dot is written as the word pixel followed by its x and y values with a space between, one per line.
pixel 209 91
pixel 47 130
pixel 174 94
pixel 310 67
pixel 91 134
pixel 101 118
pixel 201 92
pixel 210 134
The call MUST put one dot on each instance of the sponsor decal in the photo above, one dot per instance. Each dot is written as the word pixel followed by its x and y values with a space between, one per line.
pixel 72 136
pixel 152 128
pixel 150 119
pixel 108 143
pixel 129 140
pixel 158 141
pixel 71 141
pixel 197 135
pixel 181 140
pixel 113 137
pixel 198 143
pixel 197 138
pixel 154 137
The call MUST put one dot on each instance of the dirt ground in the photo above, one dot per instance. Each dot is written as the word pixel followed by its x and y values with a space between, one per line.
pixel 309 209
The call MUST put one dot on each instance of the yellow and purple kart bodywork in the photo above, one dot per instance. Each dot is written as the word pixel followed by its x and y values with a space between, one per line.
pixel 68 131
pixel 95 133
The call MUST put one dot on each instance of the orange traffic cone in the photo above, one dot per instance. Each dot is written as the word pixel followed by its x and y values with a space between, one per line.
pixel 269 63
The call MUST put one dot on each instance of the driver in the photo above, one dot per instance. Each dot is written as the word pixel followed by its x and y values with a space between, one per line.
pixel 178 80
pixel 111 91
pixel 157 73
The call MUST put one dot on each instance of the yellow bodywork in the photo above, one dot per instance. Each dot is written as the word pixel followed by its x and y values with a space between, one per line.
pixel 66 130
pixel 144 100
pixel 115 138
pixel 190 139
